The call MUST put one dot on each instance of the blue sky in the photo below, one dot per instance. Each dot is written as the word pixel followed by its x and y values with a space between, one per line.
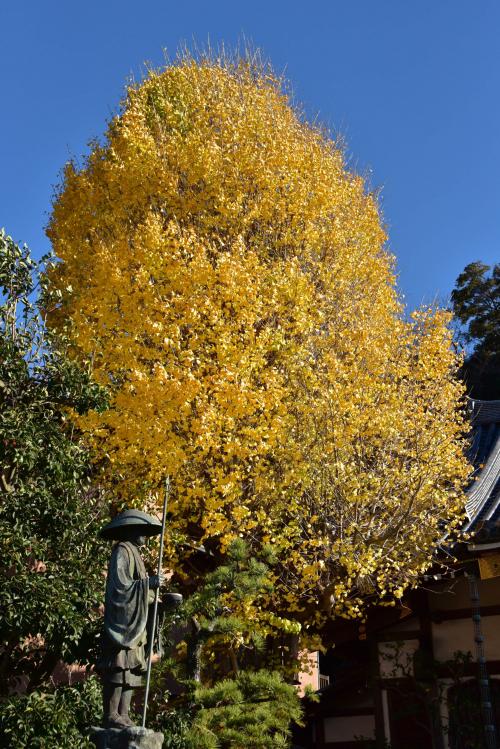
pixel 412 85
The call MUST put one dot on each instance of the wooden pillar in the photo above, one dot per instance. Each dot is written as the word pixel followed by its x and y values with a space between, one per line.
pixel 380 738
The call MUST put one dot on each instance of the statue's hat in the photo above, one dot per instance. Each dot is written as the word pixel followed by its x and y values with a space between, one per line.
pixel 144 524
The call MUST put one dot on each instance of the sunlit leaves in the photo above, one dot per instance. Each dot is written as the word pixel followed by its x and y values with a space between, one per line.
pixel 230 283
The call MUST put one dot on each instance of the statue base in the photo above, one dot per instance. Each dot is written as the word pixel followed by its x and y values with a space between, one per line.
pixel 132 737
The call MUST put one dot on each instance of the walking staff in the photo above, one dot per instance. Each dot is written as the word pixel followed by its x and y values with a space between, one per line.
pixel 155 605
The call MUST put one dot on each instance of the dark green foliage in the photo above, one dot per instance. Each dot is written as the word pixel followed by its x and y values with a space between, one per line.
pixel 476 304
pixel 51 564
pixel 214 615
pixel 176 725
pixel 253 710
pixel 58 719
pixel 225 703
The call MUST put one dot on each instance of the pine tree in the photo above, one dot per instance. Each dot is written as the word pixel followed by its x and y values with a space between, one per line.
pixel 476 304
pixel 230 699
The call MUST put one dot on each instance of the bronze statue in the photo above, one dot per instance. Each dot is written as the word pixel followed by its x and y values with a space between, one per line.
pixel 129 593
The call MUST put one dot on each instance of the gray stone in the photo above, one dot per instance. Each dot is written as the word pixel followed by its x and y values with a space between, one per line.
pixel 133 737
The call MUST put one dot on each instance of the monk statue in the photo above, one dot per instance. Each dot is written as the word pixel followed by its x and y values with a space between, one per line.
pixel 129 593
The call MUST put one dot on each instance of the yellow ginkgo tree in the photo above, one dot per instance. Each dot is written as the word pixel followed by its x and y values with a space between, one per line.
pixel 226 275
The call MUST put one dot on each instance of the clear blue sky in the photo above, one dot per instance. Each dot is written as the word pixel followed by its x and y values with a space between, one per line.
pixel 412 85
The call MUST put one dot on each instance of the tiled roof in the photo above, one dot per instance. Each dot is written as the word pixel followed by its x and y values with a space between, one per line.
pixel 483 495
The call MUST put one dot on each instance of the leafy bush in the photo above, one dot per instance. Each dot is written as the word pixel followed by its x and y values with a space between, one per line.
pixel 51 720
pixel 51 562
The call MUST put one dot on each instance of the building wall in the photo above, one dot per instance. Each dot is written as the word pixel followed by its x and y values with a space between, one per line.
pixel 458 635
pixel 442 625
pixel 309 677
pixel 341 729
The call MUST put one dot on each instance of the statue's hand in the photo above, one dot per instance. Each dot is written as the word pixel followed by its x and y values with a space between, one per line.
pixel 156 581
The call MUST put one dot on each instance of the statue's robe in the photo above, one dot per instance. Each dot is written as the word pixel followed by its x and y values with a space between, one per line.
pixel 126 606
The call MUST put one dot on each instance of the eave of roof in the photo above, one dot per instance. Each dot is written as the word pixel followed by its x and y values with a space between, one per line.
pixel 483 495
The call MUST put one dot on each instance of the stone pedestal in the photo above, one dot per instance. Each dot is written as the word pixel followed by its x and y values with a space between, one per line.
pixel 126 738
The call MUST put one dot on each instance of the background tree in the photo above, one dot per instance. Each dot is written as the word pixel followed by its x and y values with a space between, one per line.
pixel 222 638
pixel 476 304
pixel 227 276
pixel 51 563
pixel 215 614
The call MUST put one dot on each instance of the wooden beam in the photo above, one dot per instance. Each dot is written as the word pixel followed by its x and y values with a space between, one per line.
pixel 444 615
pixel 410 634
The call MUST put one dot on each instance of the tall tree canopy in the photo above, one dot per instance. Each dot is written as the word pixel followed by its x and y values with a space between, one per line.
pixel 476 304
pixel 226 274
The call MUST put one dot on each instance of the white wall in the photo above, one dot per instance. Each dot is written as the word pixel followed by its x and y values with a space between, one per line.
pixel 458 634
pixel 349 728
pixel 396 658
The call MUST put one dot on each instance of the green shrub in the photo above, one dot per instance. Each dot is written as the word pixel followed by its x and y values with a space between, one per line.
pixel 51 720
pixel 51 560
pixel 249 711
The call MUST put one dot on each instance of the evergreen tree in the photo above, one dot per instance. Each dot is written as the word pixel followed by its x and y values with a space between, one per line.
pixel 230 699
pixel 216 612
pixel 254 710
pixel 51 563
pixel 476 304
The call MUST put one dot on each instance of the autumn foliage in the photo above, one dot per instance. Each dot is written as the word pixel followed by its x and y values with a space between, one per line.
pixel 226 274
